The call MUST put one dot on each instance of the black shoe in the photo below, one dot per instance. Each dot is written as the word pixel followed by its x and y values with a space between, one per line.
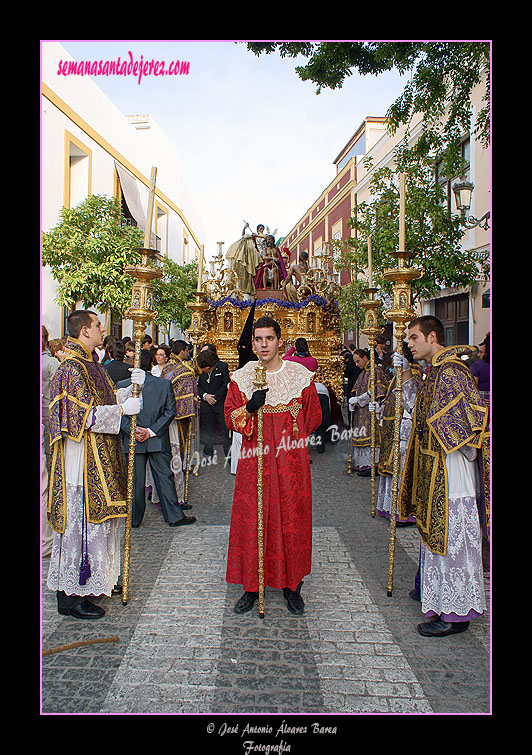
pixel 295 601
pixel 185 506
pixel 84 610
pixel 439 628
pixel 246 602
pixel 117 590
pixel 414 595
pixel 364 473
pixel 181 522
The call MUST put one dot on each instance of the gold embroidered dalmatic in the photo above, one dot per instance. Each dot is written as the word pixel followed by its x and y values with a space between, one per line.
pixel 78 385
pixel 448 414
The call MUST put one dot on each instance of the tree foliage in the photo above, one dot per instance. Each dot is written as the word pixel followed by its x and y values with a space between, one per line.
pixel 88 251
pixel 172 293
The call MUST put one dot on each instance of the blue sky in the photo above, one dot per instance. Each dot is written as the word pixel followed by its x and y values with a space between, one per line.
pixel 255 142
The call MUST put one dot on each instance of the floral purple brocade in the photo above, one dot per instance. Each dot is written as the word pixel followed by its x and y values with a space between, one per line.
pixel 185 387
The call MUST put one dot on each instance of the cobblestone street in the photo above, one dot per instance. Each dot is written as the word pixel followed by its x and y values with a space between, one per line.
pixel 182 650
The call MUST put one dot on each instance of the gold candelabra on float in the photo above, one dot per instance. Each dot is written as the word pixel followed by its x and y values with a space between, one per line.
pixel 371 329
pixel 400 314
pixel 139 312
pixel 217 282
pixel 320 280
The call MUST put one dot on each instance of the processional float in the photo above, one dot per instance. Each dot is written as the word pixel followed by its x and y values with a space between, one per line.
pixel 218 315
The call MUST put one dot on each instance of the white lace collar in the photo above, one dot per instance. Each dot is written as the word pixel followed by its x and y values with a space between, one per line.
pixel 285 384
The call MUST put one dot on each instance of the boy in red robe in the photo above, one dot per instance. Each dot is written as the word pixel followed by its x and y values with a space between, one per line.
pixel 291 411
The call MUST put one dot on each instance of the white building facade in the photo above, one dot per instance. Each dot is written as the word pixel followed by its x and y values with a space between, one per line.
pixel 89 147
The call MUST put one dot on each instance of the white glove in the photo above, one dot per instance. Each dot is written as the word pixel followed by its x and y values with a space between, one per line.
pixel 138 377
pixel 399 360
pixel 374 406
pixel 469 452
pixel 364 399
pixel 131 405
pixel 353 401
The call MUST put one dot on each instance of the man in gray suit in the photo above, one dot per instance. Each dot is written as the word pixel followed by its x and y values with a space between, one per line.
pixel 153 444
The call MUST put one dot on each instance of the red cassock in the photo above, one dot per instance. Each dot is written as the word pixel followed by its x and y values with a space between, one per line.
pixel 292 411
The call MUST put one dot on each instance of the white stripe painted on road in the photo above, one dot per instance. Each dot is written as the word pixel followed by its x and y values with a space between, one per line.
pixel 361 667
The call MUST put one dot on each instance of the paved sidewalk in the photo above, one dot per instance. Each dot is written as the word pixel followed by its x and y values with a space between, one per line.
pixel 182 649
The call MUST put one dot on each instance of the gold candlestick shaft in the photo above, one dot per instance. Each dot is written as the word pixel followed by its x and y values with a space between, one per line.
pixel 371 306
pixel 372 421
pixel 260 382
pixel 399 334
pixel 130 486
pixel 140 312
pixel 400 314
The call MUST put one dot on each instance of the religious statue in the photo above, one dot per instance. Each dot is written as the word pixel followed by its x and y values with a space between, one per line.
pixel 299 270
pixel 245 257
pixel 272 269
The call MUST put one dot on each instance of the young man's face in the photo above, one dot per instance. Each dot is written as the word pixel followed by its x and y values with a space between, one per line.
pixel 360 361
pixel 422 347
pixel 266 344
pixel 93 335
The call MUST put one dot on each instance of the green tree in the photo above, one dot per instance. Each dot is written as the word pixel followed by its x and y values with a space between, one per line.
pixel 172 293
pixel 88 251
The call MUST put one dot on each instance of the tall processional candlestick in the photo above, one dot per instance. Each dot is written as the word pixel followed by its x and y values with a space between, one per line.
pixel 400 314
pixel 195 331
pixel 371 329
pixel 260 382
pixel 139 312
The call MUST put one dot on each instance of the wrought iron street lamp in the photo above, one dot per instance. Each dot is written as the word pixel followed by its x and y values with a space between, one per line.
pixel 462 194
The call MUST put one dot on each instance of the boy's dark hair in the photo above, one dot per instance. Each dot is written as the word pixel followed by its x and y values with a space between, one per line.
pixel 179 346
pixel 206 358
pixel 267 322
pixel 146 360
pixel 117 350
pixel 427 324
pixel 301 345
pixel 79 319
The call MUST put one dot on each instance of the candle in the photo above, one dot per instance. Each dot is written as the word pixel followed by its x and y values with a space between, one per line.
pixel 200 267
pixel 402 178
pixel 370 264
